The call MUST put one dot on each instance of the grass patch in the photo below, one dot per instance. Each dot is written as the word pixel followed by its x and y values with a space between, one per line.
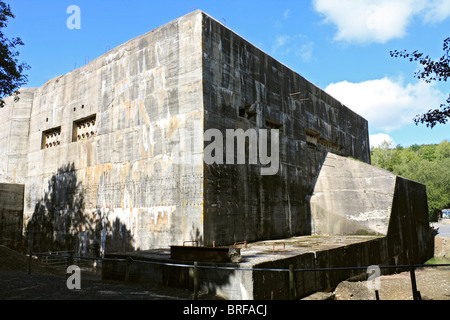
pixel 435 260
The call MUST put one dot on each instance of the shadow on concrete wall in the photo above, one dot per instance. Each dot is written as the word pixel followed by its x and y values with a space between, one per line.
pixel 61 222
pixel 11 215
pixel 243 205
pixel 410 235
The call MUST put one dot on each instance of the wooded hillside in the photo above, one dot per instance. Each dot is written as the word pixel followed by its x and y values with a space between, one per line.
pixel 428 164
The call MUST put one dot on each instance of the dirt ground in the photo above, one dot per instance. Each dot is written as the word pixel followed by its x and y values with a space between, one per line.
pixel 432 283
pixel 49 283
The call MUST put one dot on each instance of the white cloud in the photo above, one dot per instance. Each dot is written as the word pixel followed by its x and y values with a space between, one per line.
pixel 280 41
pixel 379 21
pixel 377 139
pixel 298 45
pixel 305 51
pixel 437 11
pixel 287 14
pixel 387 104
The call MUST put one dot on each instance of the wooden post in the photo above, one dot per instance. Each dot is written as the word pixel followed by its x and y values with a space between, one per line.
pixel 413 281
pixel 127 269
pixel 195 280
pixel 70 260
pixel 291 282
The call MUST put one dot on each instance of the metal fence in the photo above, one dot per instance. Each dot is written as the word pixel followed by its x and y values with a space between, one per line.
pixel 56 258
pixel 67 258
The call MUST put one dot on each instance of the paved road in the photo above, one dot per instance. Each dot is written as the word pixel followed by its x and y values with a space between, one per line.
pixel 18 285
pixel 444 228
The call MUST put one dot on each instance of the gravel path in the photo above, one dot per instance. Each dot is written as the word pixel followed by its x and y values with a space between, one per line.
pixel 444 228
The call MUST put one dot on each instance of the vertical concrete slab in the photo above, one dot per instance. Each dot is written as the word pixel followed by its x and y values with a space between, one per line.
pixel 351 197
pixel 11 214
pixel 409 230
pixel 15 123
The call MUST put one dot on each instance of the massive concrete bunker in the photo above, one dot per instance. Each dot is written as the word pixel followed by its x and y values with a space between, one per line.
pixel 111 154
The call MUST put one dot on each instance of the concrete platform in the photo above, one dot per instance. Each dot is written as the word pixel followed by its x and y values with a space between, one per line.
pixel 262 273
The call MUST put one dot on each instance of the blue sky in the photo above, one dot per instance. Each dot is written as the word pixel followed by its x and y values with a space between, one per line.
pixel 342 46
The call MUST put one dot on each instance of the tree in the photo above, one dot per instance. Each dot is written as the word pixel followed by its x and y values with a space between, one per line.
pixel 443 150
pixel 433 70
pixel 427 164
pixel 12 75
pixel 384 156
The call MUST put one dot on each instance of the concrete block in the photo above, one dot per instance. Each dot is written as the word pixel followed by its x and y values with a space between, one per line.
pixel 11 214
pixel 140 181
pixel 351 197
pixel 442 247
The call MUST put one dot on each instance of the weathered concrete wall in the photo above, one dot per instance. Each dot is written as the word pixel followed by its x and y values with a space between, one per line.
pixel 263 274
pixel 441 247
pixel 409 232
pixel 11 214
pixel 136 181
pixel 245 88
pixel 14 124
pixel 269 285
pixel 120 184
pixel 351 198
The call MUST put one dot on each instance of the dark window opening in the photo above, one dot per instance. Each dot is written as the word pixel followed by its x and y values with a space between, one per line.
pixel 248 112
pixel 273 124
pixel 51 138
pixel 313 139
pixel 84 128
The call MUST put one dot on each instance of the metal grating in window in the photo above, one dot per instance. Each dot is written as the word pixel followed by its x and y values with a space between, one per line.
pixel 51 138
pixel 84 129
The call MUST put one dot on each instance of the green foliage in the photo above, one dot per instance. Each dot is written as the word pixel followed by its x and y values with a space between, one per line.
pixel 427 164
pixel 433 70
pixel 12 75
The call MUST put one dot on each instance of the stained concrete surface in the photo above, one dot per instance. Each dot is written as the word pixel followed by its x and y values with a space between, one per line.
pixel 252 277
pixel 152 99
pixel 262 251
pixel 11 213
